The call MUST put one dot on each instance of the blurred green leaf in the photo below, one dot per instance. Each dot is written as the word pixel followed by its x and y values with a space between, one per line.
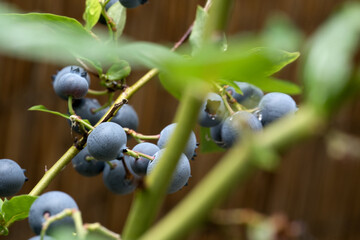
pixel 281 33
pixel 61 40
pixel 17 208
pixel 118 71
pixel 328 65
pixel 94 65
pixel 196 38
pixel 42 108
pixel 92 13
pixel 271 84
pixel 1 203
pixel 117 12
pixel 171 86
pixel 207 145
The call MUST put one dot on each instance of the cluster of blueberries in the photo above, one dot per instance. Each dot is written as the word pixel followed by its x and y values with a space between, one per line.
pixel 106 148
pixel 260 110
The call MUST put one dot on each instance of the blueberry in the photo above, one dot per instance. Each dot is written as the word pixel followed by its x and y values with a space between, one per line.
pixel 50 203
pixel 105 141
pixel 274 106
pixel 126 117
pixel 181 174
pixel 39 238
pixel 132 3
pixel 12 177
pixel 251 94
pixel 139 165
pixel 234 125
pixel 84 108
pixel 73 69
pixel 215 133
pixel 115 179
pixel 87 168
pixel 212 111
pixel 71 84
pixel 165 135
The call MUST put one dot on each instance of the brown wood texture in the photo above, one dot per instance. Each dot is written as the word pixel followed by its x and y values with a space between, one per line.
pixel 309 186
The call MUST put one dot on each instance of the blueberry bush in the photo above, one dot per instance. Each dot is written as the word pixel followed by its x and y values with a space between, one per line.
pixel 226 85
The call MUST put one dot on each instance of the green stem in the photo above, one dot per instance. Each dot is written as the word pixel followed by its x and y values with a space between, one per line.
pixel 238 164
pixel 141 136
pixel 96 227
pixel 53 171
pixel 70 107
pixel 97 93
pixel 80 230
pixel 137 154
pixel 80 121
pixel 141 215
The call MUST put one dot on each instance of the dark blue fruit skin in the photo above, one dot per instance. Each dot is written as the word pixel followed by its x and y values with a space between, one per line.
pixel 105 141
pixel 251 94
pixel 115 179
pixel 85 167
pixel 83 108
pixel 73 69
pixel 70 84
pixel 39 238
pixel 165 135
pixel 234 125
pixel 181 174
pixel 215 133
pixel 139 165
pixel 126 117
pixel 132 3
pixel 212 111
pixel 53 203
pixel 12 177
pixel 274 106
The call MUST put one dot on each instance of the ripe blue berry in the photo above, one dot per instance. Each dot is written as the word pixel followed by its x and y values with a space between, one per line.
pixel 274 106
pixel 50 203
pixel 251 94
pixel 132 3
pixel 234 125
pixel 105 141
pixel 73 69
pixel 87 168
pixel 116 180
pixel 181 174
pixel 165 136
pixel 71 84
pixel 126 117
pixel 12 177
pixel 212 111
pixel 215 133
pixel 84 108
pixel 139 165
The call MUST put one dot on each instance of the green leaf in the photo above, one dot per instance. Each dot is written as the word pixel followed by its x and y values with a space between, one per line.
pixel 117 12
pixel 17 208
pixel 95 65
pixel 1 203
pixel 207 145
pixel 171 85
pixel 42 108
pixel 62 40
pixel 271 84
pixel 197 36
pixel 329 59
pixel 235 64
pixel 118 71
pixel 92 13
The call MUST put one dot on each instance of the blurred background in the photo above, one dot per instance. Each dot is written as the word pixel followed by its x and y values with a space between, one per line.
pixel 314 193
